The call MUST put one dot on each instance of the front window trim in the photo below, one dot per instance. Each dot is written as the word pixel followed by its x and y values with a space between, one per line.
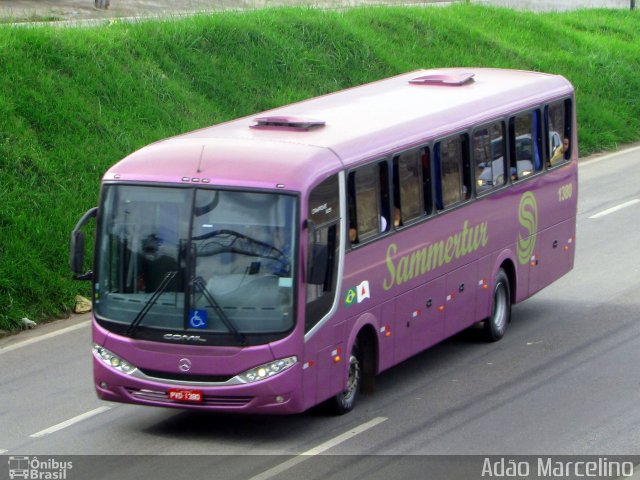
pixel 342 186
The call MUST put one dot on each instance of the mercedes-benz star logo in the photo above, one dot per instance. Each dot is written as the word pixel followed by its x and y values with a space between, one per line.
pixel 184 364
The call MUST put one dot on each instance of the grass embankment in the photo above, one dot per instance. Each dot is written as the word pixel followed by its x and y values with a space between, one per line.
pixel 75 100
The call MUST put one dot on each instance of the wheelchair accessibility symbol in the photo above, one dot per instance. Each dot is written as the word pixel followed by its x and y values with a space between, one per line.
pixel 198 318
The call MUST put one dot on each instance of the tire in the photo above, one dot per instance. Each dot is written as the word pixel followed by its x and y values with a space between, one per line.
pixel 345 401
pixel 496 325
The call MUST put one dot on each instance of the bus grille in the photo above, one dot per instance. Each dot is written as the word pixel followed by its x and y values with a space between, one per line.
pixel 184 377
pixel 209 400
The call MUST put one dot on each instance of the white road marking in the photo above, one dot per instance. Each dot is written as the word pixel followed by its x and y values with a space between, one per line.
pixel 2 452
pixel 278 469
pixel 71 421
pixel 615 209
pixel 46 336
pixel 598 159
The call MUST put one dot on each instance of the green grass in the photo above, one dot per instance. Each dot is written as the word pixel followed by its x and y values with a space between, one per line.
pixel 75 100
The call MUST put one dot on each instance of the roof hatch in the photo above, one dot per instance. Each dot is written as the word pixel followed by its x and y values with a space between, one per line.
pixel 444 80
pixel 288 123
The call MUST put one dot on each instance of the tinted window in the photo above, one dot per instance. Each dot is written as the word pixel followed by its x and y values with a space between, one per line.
pixel 489 157
pixel 368 202
pixel 409 180
pixel 451 165
pixel 559 133
pixel 526 156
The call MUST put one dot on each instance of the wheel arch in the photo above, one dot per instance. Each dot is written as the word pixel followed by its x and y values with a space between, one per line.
pixel 368 341
pixel 506 262
pixel 510 269
pixel 365 333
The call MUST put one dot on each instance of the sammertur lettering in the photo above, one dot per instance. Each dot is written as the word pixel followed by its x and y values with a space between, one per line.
pixel 433 255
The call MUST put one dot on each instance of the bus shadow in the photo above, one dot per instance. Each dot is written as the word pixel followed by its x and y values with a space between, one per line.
pixel 261 430
pixel 443 360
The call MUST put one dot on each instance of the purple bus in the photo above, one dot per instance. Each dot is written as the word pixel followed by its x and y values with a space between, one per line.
pixel 271 263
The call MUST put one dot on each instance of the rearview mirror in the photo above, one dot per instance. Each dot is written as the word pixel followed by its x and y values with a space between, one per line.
pixel 76 250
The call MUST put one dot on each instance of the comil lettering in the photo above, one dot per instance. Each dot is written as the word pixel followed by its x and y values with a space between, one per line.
pixel 433 255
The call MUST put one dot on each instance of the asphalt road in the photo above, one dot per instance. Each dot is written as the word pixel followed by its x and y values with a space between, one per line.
pixel 564 381
pixel 80 10
pixel 559 5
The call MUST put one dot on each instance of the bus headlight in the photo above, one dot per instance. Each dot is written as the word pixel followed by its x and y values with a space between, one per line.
pixel 112 360
pixel 267 370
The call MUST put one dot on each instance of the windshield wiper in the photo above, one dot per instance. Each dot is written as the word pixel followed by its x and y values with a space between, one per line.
pixel 198 282
pixel 150 303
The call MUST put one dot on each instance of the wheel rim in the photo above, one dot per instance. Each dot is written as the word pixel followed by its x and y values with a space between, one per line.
pixel 500 315
pixel 353 381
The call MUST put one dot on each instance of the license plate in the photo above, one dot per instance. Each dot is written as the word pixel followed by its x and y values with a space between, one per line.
pixel 182 395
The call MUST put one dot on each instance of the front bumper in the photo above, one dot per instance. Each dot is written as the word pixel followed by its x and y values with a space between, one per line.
pixel 279 394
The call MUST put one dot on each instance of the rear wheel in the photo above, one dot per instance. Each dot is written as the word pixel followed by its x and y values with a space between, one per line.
pixel 496 325
pixel 345 401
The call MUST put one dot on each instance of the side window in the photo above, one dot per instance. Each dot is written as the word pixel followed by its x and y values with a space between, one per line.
pixel 452 171
pixel 368 202
pixel 323 214
pixel 559 132
pixel 489 148
pixel 410 179
pixel 526 154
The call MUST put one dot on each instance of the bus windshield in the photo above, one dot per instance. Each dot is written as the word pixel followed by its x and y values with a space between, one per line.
pixel 207 261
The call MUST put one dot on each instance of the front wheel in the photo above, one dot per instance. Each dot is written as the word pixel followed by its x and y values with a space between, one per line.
pixel 496 325
pixel 345 401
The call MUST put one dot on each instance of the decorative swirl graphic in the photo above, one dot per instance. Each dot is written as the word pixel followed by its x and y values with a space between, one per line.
pixel 528 217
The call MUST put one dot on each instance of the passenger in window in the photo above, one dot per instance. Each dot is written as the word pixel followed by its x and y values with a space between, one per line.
pixel 560 152
pixel 353 235
pixel 353 232
pixel 397 217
